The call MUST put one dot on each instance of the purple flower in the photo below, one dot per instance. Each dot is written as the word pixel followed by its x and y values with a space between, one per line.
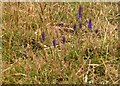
pixel 90 24
pixel 64 40
pixel 80 12
pixel 43 36
pixel 74 27
pixel 54 42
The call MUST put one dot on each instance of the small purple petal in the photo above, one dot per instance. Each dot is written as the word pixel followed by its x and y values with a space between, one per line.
pixel 64 40
pixel 74 27
pixel 90 24
pixel 80 12
pixel 54 42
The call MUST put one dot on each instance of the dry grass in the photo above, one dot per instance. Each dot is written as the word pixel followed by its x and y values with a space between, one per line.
pixel 86 57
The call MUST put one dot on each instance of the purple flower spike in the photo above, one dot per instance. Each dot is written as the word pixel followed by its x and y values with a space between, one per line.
pixel 54 42
pixel 64 40
pixel 80 12
pixel 90 24
pixel 43 36
pixel 74 27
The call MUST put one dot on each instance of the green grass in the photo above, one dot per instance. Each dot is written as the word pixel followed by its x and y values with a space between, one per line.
pixel 86 57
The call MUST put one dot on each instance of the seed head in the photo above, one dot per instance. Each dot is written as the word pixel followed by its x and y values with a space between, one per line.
pixel 80 25
pixel 96 31
pixel 43 36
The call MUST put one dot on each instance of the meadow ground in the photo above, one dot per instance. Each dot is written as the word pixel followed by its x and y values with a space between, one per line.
pixel 87 55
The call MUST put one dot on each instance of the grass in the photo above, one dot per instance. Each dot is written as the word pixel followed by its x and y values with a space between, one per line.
pixel 87 57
